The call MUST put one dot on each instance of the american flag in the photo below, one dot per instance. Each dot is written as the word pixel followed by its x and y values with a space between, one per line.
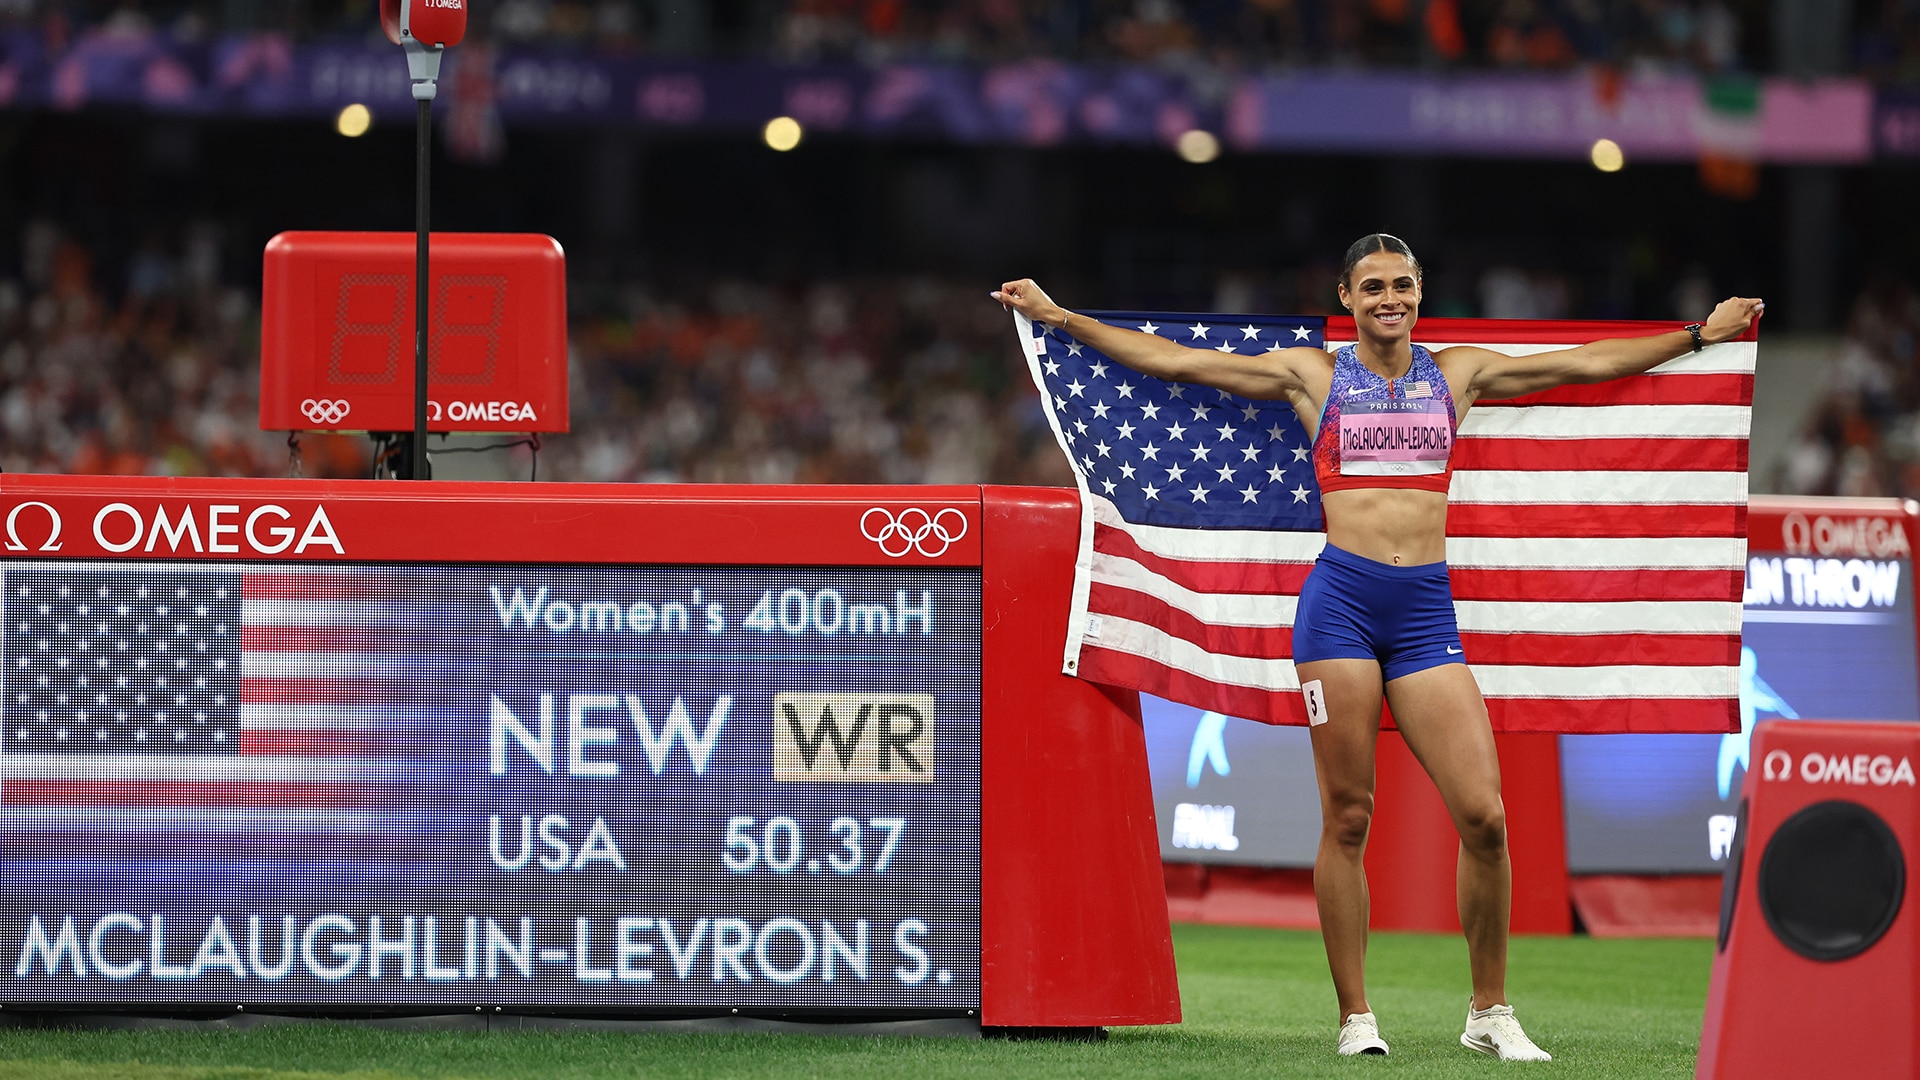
pixel 1596 534
pixel 157 703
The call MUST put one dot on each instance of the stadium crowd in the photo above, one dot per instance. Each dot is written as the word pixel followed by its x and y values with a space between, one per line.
pixel 1707 35
pixel 737 381
pixel 1863 435
pixel 730 381
pixel 150 364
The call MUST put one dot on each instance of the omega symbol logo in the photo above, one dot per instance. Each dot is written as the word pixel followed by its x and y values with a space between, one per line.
pixel 51 543
pixel 326 410
pixel 913 530
pixel 1777 757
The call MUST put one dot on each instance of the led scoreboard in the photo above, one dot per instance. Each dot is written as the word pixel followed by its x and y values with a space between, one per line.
pixel 337 332
pixel 1828 633
pixel 313 745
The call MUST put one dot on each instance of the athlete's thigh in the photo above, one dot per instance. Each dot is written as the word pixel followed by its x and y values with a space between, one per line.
pixel 1440 713
pixel 1344 695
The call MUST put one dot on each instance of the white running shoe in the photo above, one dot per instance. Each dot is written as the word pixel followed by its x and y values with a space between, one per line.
pixel 1361 1035
pixel 1494 1031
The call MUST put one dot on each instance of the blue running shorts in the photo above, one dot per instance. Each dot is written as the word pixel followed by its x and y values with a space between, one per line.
pixel 1354 608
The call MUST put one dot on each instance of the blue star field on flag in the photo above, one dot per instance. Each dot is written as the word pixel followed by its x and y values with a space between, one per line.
pixel 1181 454
pixel 121 661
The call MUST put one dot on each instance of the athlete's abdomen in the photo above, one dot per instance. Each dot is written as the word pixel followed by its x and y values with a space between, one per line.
pixel 1404 525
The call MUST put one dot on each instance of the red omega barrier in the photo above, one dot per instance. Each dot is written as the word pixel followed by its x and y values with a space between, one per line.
pixel 1814 974
pixel 1073 916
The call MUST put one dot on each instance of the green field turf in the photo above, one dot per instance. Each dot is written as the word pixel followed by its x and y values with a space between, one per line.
pixel 1257 1003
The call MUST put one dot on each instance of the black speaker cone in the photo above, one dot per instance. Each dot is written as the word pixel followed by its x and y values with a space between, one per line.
pixel 1831 880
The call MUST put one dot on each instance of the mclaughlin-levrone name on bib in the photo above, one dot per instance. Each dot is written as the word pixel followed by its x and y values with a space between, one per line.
pixel 1394 436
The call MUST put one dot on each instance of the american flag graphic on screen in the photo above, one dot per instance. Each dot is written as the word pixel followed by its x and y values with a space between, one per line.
pixel 171 701
pixel 1596 534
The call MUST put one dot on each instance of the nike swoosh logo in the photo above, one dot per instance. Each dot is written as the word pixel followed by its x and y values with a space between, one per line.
pixel 1451 651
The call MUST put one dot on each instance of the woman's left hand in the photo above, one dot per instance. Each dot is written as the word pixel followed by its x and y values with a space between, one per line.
pixel 1731 319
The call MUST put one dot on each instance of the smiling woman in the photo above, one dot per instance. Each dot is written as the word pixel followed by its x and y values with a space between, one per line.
pixel 1375 618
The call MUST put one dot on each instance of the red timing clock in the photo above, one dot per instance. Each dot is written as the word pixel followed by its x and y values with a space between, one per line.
pixel 337 333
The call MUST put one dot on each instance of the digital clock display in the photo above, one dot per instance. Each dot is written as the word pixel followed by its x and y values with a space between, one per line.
pixel 337 332
pixel 638 788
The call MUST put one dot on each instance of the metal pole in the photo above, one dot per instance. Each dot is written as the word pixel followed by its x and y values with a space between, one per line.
pixel 423 127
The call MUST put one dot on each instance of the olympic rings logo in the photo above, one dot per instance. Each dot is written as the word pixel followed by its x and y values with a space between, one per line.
pixel 325 410
pixel 913 530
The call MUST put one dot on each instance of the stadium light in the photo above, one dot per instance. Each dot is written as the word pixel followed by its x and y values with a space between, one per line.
pixel 1607 156
pixel 1197 146
pixel 782 133
pixel 353 121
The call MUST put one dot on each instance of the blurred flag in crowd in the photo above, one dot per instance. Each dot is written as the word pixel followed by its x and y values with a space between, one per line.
pixel 1596 534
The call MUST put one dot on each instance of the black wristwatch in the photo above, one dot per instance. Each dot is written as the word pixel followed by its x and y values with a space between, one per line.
pixel 1694 329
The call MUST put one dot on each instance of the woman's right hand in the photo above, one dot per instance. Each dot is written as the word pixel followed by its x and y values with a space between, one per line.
pixel 1030 300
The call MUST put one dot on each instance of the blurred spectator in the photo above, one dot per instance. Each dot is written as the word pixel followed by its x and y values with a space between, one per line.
pixel 1537 34
pixel 849 381
pixel 1508 292
pixel 1863 436
pixel 163 383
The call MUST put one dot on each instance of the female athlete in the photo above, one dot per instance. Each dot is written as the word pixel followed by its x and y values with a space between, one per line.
pixel 1376 613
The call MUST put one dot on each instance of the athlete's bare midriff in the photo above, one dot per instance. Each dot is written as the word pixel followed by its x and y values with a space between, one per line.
pixel 1398 526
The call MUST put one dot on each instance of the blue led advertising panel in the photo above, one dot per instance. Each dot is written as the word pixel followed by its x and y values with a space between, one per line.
pixel 640 788
pixel 1228 790
pixel 1823 638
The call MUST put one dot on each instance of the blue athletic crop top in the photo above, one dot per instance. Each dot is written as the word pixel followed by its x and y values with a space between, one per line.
pixel 1385 433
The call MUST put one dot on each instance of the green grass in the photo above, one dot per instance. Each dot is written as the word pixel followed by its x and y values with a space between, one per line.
pixel 1257 1003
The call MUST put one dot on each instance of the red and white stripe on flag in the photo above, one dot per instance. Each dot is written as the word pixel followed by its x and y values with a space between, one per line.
pixel 1596 540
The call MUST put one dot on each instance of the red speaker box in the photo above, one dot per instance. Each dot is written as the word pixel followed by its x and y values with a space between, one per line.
pixel 1815 969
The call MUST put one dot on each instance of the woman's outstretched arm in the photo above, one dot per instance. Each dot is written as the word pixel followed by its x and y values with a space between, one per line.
pixel 1273 376
pixel 1497 375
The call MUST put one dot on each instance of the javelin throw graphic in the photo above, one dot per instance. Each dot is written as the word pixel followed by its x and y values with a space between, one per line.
pixel 1755 696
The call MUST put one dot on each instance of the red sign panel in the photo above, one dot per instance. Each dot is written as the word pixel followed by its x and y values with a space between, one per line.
pixel 84 517
pixel 337 333
pixel 1835 528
